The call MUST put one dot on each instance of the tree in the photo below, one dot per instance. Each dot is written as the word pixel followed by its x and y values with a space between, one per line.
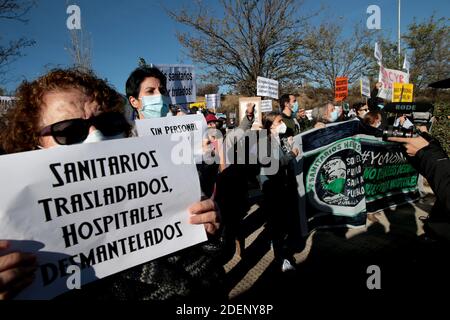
pixel 207 88
pixel 430 52
pixel 253 38
pixel 13 10
pixel 328 54
pixel 80 49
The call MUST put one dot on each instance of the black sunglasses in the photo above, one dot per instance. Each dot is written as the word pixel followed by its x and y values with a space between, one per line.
pixel 76 130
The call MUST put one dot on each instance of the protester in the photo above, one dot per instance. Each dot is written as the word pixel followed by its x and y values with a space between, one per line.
pixel 71 106
pixel 289 109
pixel 375 103
pixel 324 115
pixel 303 121
pixel 249 118
pixel 147 93
pixel 373 119
pixel 213 122
pixel 278 200
pixel 361 110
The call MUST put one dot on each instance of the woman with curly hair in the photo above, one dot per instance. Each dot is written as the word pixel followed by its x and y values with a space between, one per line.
pixel 67 107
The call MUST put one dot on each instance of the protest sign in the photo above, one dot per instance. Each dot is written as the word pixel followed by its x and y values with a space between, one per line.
pixel 254 102
pixel 187 130
pixel 181 84
pixel 387 77
pixel 365 86
pixel 266 105
pixel 212 101
pixel 267 87
pixel 345 173
pixel 199 105
pixel 103 207
pixel 406 64
pixel 402 92
pixel 377 53
pixel 341 88
pixel 389 179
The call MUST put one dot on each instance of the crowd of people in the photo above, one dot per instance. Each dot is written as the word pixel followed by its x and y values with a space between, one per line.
pixel 65 107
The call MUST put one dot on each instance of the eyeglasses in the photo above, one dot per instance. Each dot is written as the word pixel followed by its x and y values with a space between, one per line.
pixel 76 130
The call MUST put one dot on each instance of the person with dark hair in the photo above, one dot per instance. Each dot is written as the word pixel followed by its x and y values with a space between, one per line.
pixel 373 119
pixel 289 109
pixel 278 198
pixel 147 93
pixel 361 109
pixel 66 107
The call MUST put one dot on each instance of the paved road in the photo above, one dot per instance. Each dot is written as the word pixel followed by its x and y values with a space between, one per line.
pixel 334 263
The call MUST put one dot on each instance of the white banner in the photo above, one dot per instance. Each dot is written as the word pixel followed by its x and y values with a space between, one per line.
pixel 406 64
pixel 267 87
pixel 212 101
pixel 180 82
pixel 186 130
pixel 387 77
pixel 377 53
pixel 365 86
pixel 266 105
pixel 103 207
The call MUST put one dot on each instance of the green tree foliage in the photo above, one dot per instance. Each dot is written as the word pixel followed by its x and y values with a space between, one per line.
pixel 428 42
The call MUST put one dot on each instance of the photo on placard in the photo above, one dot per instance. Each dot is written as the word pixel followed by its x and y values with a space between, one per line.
pixel 255 104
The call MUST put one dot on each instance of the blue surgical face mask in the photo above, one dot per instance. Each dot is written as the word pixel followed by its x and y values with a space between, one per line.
pixel 155 106
pixel 334 116
pixel 295 107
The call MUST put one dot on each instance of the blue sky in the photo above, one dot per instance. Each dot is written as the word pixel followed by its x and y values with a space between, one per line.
pixel 121 31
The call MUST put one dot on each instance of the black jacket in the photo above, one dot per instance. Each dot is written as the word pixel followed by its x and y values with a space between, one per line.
pixel 433 163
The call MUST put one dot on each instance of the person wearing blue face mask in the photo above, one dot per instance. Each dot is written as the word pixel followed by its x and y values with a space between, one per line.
pixel 289 108
pixel 147 93
pixel 324 114
pixel 196 272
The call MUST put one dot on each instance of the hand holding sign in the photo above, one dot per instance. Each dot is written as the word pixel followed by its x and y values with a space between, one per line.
pixel 207 213
pixel 16 271
pixel 250 109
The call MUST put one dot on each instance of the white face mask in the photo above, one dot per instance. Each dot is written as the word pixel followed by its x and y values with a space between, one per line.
pixel 94 136
pixel 281 129
pixel 363 113
pixel 97 136
pixel 378 125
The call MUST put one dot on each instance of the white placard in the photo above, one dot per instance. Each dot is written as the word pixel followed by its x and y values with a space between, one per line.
pixel 377 53
pixel 180 82
pixel 266 105
pixel 387 77
pixel 188 131
pixel 267 87
pixel 212 101
pixel 104 206
pixel 365 86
